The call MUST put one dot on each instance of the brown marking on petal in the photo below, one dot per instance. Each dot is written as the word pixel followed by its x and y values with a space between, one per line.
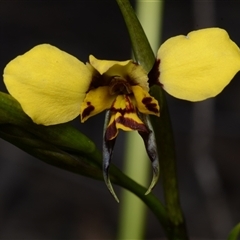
pixel 122 111
pixel 111 131
pixel 129 107
pixel 152 107
pixel 129 122
pixel 125 120
pixel 86 112
pixel 154 74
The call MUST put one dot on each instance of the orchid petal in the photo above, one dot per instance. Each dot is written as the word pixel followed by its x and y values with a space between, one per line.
pixel 102 66
pixel 198 66
pixel 145 102
pixel 96 101
pixel 123 116
pixel 48 83
pixel 132 72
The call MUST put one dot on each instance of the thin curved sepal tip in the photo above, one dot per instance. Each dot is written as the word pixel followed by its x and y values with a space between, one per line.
pixel 109 184
pixel 155 177
pixel 108 146
pixel 151 148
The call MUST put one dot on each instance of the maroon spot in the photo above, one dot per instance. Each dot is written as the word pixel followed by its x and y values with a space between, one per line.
pixel 154 74
pixel 122 111
pixel 86 112
pixel 147 100
pixel 128 122
pixel 111 131
pixel 129 108
pixel 152 107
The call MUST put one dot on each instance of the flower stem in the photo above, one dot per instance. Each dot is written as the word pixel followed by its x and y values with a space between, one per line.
pixel 165 143
pixel 162 126
pixel 139 41
pixel 132 212
pixel 150 200
pixel 65 147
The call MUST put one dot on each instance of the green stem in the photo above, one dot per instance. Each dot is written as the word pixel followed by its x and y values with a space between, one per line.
pixel 132 219
pixel 138 38
pixel 162 126
pixel 133 212
pixel 165 143
pixel 150 200
pixel 65 147
pixel 49 153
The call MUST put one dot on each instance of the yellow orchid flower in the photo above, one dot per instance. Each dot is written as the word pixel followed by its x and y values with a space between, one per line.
pixel 54 87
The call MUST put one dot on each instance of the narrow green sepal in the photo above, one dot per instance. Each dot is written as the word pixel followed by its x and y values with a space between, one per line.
pixel 151 148
pixel 108 146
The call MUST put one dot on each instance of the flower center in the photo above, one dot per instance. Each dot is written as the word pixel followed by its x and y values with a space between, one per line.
pixel 118 85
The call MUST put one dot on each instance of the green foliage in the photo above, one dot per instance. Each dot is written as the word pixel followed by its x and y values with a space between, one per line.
pixel 65 147
pixel 235 233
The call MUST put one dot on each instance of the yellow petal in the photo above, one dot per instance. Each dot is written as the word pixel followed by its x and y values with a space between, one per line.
pixel 49 84
pixel 145 102
pixel 96 101
pixel 130 71
pixel 138 75
pixel 198 66
pixel 102 66
pixel 123 116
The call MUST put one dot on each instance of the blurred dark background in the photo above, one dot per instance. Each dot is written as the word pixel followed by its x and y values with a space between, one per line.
pixel 38 201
